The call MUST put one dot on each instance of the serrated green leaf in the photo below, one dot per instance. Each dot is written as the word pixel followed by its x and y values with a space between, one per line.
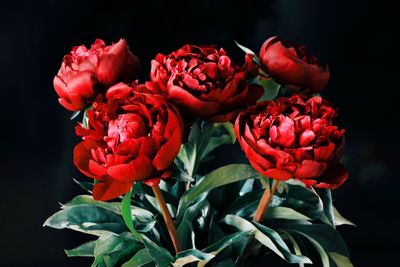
pixel 87 219
pixel 219 177
pixel 141 258
pixel 339 219
pixel 340 260
pixel 160 255
pixel 127 214
pixel 271 89
pixel 84 250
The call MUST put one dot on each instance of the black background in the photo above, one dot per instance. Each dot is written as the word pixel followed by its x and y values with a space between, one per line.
pixel 355 37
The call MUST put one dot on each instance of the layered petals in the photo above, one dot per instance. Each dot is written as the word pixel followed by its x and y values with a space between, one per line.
pixel 204 82
pixel 293 66
pixel 131 137
pixel 84 73
pixel 281 141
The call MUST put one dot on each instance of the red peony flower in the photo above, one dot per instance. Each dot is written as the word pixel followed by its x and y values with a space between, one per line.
pixel 131 137
pixel 293 66
pixel 204 82
pixel 294 138
pixel 85 71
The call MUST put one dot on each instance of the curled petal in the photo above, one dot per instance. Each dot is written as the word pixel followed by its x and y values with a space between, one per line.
pixel 138 169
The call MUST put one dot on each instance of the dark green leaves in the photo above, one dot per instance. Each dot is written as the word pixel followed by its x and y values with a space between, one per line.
pixel 87 218
pixel 222 176
pixel 271 89
pixel 127 214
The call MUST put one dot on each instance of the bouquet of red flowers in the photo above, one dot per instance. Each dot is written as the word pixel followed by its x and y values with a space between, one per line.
pixel 158 197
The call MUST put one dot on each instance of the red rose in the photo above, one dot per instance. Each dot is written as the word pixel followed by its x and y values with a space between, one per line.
pixel 131 137
pixel 204 82
pixel 85 71
pixel 293 66
pixel 294 138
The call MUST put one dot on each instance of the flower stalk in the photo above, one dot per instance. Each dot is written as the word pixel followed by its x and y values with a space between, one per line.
pixel 264 202
pixel 167 218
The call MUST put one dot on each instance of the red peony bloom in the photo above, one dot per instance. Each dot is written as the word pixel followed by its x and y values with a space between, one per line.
pixel 204 82
pixel 85 71
pixel 293 66
pixel 294 138
pixel 131 137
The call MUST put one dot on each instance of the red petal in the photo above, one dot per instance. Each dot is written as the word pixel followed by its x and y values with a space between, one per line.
pixel 310 169
pixel 120 90
pixel 192 103
pixel 334 177
pixel 170 149
pixel 82 156
pixel 324 153
pixel 137 169
pixel 110 189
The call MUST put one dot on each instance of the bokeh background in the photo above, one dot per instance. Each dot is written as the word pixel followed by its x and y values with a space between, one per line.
pixel 356 38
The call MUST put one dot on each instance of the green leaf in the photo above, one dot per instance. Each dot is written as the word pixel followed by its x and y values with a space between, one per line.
pixel 160 255
pixel 88 200
pixel 278 241
pixel 248 51
pixel 245 205
pixel 339 219
pixel 141 258
pixel 244 226
pixel 324 234
pixel 326 199
pixel 219 177
pixel 84 250
pixel 301 200
pixel 87 219
pixel 109 243
pixel 127 214
pixel 318 248
pixel 184 230
pixel 85 119
pixel 75 114
pixel 191 255
pixel 226 242
pixel 340 260
pixel 88 186
pixel 285 213
pixel 226 263
pixel 267 237
pixel 296 246
pixel 271 89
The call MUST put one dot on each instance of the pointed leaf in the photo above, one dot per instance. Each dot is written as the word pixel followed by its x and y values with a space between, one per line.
pixel 141 258
pixel 340 260
pixel 160 255
pixel 84 250
pixel 219 177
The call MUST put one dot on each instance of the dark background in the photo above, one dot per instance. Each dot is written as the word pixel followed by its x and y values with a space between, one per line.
pixel 355 37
